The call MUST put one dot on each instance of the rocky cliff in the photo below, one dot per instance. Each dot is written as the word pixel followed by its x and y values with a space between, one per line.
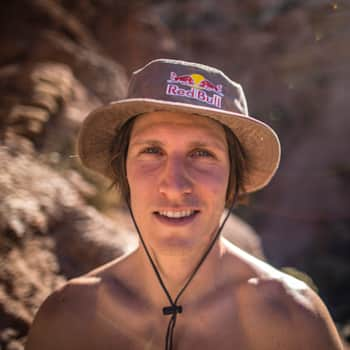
pixel 60 59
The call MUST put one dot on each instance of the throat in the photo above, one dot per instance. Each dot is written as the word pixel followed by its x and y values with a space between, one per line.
pixel 176 269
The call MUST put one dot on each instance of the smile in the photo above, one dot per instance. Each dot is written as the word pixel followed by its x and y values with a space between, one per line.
pixel 176 214
pixel 176 217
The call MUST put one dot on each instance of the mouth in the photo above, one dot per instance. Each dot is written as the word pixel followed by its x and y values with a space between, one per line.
pixel 176 217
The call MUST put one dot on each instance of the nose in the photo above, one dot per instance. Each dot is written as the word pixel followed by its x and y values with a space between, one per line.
pixel 175 181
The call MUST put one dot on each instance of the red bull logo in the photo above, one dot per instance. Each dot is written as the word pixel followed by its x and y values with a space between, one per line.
pixel 199 88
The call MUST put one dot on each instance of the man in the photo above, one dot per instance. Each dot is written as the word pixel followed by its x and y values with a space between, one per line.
pixel 181 148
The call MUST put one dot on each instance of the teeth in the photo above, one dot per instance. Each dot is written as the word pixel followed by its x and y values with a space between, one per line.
pixel 177 214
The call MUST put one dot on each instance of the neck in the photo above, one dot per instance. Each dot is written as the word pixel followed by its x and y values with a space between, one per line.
pixel 175 270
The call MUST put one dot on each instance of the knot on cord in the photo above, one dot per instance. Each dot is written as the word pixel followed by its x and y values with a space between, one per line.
pixel 172 310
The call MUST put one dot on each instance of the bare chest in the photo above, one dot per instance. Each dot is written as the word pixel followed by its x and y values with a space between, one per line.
pixel 208 325
pixel 222 321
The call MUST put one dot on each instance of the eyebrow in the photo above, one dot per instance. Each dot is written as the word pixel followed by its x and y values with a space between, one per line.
pixel 212 143
pixel 147 142
pixel 194 144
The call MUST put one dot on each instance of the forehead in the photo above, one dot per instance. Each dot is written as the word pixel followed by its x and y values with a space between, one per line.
pixel 159 122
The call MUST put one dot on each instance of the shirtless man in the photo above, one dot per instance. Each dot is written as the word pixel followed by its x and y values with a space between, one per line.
pixel 181 148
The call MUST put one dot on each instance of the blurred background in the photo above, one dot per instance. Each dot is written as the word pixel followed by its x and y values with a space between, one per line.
pixel 61 58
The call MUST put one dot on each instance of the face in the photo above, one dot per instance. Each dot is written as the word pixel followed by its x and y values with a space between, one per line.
pixel 177 169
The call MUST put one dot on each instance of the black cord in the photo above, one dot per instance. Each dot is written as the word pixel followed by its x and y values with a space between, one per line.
pixel 175 309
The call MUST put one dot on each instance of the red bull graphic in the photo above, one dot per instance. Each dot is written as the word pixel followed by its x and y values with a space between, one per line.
pixel 181 79
pixel 199 88
pixel 209 86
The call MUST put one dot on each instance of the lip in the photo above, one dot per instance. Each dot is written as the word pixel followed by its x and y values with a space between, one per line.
pixel 175 222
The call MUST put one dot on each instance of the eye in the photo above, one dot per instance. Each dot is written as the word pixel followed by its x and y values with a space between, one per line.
pixel 201 153
pixel 152 150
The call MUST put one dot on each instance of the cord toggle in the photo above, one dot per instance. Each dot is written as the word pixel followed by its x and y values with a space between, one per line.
pixel 172 310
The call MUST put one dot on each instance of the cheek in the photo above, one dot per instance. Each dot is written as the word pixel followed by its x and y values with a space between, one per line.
pixel 213 180
pixel 140 176
pixel 133 185
pixel 141 185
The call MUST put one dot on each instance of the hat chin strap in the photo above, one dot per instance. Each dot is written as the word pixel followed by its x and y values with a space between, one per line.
pixel 174 308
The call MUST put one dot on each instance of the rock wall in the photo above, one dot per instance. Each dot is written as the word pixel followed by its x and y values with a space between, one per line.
pixel 60 59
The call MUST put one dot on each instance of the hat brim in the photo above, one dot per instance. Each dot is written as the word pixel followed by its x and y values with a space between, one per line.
pixel 259 141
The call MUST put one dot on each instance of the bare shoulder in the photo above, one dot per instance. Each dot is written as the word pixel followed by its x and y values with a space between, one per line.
pixel 281 311
pixel 295 310
pixel 58 321
pixel 69 313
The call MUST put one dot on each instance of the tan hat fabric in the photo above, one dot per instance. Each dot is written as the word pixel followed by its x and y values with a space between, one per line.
pixel 179 86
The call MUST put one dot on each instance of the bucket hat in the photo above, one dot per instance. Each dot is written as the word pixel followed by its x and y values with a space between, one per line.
pixel 179 86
